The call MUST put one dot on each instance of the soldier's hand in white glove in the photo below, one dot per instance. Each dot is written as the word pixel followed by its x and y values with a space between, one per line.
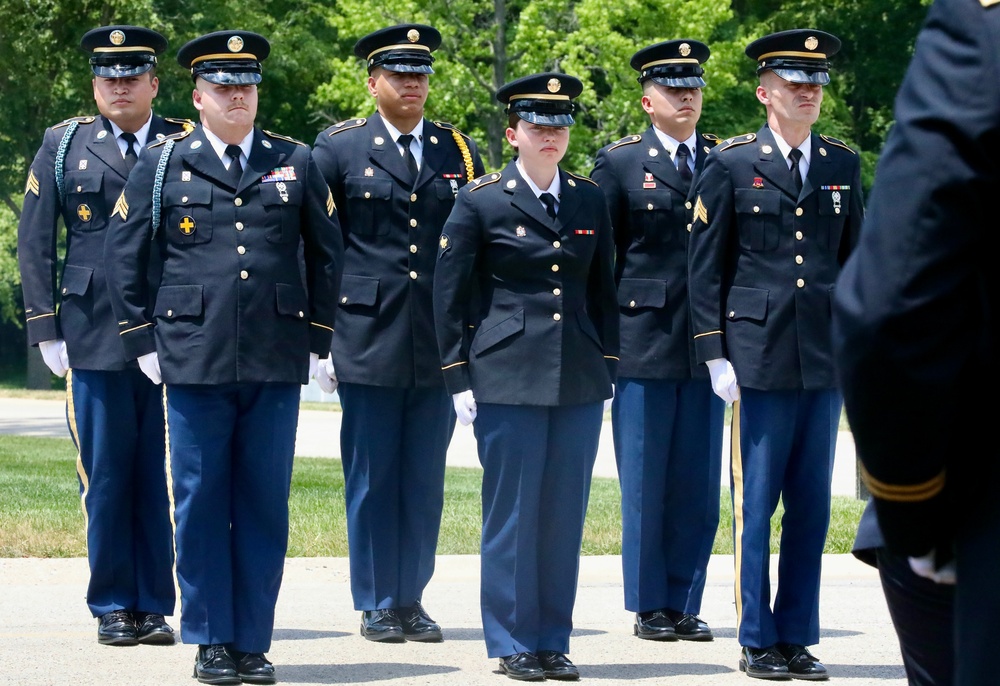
pixel 54 354
pixel 926 567
pixel 608 401
pixel 326 377
pixel 724 379
pixel 465 407
pixel 313 363
pixel 150 366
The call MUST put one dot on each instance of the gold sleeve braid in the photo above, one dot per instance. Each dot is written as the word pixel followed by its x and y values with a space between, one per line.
pixel 463 147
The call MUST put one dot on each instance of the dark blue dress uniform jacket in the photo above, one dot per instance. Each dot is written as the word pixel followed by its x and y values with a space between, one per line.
pixel 385 326
pixel 94 175
pixel 763 261
pixel 650 208
pixel 233 304
pixel 547 329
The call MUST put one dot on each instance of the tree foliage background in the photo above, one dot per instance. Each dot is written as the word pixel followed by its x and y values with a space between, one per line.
pixel 312 78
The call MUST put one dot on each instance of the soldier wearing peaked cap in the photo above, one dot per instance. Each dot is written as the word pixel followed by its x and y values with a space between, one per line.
pixel 115 414
pixel 667 422
pixel 534 243
pixel 776 215
pixel 234 329
pixel 394 177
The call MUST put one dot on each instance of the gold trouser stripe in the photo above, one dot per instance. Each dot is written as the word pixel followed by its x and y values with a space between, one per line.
pixel 80 472
pixel 736 465
pixel 170 484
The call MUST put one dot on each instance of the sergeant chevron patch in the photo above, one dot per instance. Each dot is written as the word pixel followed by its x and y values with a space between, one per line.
pixel 32 185
pixel 330 205
pixel 700 211
pixel 121 207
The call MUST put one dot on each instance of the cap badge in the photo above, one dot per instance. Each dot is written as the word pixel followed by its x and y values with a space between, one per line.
pixel 684 49
pixel 553 85
pixel 117 37
pixel 235 44
pixel 413 35
pixel 811 43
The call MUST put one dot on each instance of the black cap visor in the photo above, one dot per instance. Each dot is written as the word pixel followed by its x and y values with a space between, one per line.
pixel 121 65
pixel 402 61
pixel 679 81
pixel 798 70
pixel 228 72
pixel 544 112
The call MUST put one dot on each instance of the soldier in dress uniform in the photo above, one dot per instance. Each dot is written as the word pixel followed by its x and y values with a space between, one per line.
pixel 915 340
pixel 777 213
pixel 115 414
pixel 394 177
pixel 528 251
pixel 234 329
pixel 667 422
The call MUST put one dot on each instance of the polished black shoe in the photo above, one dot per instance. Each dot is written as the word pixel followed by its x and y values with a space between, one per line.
pixel 654 626
pixel 690 627
pixel 557 666
pixel 214 665
pixel 382 626
pixel 116 628
pixel 152 629
pixel 417 624
pixel 253 668
pixel 763 663
pixel 801 663
pixel 522 667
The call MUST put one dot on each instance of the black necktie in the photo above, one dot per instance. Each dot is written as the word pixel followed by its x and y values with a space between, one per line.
pixel 550 204
pixel 235 168
pixel 683 168
pixel 411 161
pixel 131 154
pixel 795 155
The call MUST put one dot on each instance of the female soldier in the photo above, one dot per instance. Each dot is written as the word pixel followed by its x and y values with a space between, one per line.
pixel 529 252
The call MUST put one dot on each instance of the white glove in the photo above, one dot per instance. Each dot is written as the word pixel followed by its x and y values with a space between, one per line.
pixel 326 377
pixel 724 379
pixel 465 407
pixel 608 401
pixel 924 566
pixel 150 366
pixel 54 354
pixel 313 363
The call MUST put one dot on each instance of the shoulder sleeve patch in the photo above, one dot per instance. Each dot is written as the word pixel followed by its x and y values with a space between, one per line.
pixel 347 124
pixel 627 140
pixel 842 144
pixel 32 184
pixel 278 136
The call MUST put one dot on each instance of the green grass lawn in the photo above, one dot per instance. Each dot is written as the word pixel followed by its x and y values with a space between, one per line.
pixel 41 514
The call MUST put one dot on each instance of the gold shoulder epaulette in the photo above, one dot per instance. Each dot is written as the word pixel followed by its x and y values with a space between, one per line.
pixel 842 144
pixel 450 127
pixel 278 136
pixel 627 140
pixel 581 178
pixel 79 120
pixel 484 181
pixel 186 123
pixel 712 138
pixel 348 124
pixel 172 137
pixel 737 141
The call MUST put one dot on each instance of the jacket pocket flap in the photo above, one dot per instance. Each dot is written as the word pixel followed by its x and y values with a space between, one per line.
pixel 368 189
pixel 746 303
pixel 76 279
pixel 90 182
pixel 487 338
pixel 358 290
pixel 182 193
pixel 650 200
pixel 750 201
pixel 636 293
pixel 291 300
pixel 179 301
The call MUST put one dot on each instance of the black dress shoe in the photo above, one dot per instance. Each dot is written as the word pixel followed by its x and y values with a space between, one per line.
pixel 557 666
pixel 801 663
pixel 654 626
pixel 522 666
pixel 382 626
pixel 417 625
pixel 690 627
pixel 253 668
pixel 763 663
pixel 152 629
pixel 214 665
pixel 116 628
